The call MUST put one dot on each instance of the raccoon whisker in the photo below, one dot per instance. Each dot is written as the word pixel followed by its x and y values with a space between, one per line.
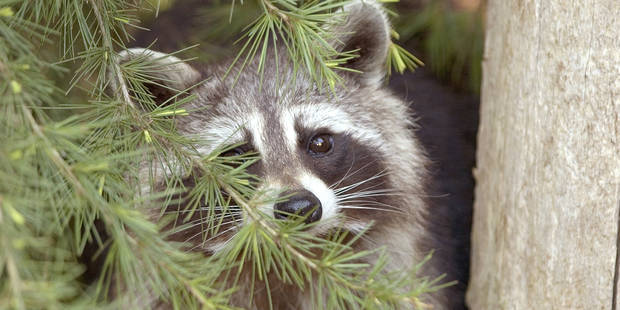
pixel 354 225
pixel 204 242
pixel 366 196
pixel 370 241
pixel 202 216
pixel 366 238
pixel 369 203
pixel 220 245
pixel 215 208
pixel 372 187
pixel 372 203
pixel 212 218
pixel 371 193
pixel 363 202
pixel 216 235
pixel 207 223
pixel 351 186
pixel 355 185
pixel 347 175
pixel 435 196
pixel 381 209
pixel 359 207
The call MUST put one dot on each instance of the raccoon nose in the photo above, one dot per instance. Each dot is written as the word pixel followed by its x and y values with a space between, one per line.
pixel 300 204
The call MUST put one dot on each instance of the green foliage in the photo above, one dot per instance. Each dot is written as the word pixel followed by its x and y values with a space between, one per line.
pixel 70 155
pixel 401 59
pixel 452 41
pixel 303 32
pixel 301 28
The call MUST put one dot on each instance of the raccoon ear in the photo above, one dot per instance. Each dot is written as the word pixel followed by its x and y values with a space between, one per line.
pixel 365 28
pixel 170 75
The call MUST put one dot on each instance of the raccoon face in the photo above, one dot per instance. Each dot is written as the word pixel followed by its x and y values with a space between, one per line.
pixel 316 155
pixel 341 158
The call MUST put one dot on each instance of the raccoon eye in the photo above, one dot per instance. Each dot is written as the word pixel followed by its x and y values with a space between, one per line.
pixel 321 144
pixel 238 151
pixel 233 152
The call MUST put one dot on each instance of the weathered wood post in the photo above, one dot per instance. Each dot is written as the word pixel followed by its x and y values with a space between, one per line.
pixel 546 216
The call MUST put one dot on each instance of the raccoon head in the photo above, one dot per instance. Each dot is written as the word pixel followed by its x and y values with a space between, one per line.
pixel 344 159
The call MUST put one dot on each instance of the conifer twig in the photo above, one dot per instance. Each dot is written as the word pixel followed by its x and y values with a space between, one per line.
pixel 55 156
pixel 11 267
pixel 115 65
pixel 271 8
pixel 266 226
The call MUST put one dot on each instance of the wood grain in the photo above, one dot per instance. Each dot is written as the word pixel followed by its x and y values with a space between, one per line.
pixel 545 222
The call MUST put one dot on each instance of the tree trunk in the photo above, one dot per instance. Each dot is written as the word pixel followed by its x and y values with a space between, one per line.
pixel 546 216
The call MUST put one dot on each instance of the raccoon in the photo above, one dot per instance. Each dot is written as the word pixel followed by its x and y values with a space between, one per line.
pixel 347 159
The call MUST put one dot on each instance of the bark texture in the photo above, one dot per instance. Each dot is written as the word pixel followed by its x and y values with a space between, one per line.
pixel 545 227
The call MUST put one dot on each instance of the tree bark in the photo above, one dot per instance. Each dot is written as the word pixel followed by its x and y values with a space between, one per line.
pixel 546 215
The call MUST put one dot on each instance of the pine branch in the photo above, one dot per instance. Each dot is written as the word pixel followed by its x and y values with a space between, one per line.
pixel 304 33
pixel 11 267
pixel 253 213
pixel 115 64
pixel 63 165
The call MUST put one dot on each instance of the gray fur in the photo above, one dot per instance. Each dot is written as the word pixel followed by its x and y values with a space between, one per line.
pixel 380 129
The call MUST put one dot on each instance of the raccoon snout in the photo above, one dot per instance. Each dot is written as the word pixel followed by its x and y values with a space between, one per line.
pixel 302 203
